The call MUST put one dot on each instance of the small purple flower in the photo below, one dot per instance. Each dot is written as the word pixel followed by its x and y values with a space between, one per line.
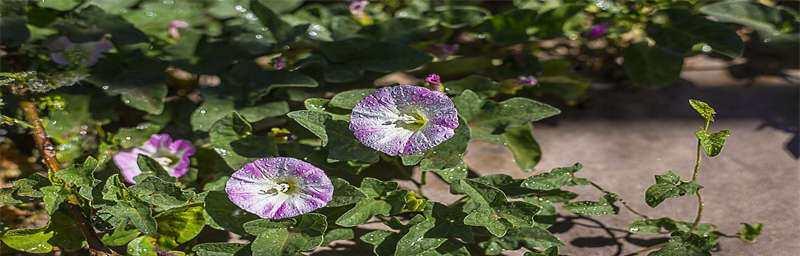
pixel 279 63
pixel 174 28
pixel 404 119
pixel 172 155
pixel 434 81
pixel 279 187
pixel 357 7
pixel 597 30
pixel 527 80
pixel 65 52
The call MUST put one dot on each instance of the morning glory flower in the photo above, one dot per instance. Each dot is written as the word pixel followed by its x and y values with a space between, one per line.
pixel 64 52
pixel 174 28
pixel 404 119
pixel 597 30
pixel 279 187
pixel 357 7
pixel 173 155
pixel 528 80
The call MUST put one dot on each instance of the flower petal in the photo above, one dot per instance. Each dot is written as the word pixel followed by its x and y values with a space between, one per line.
pixel 249 188
pixel 374 120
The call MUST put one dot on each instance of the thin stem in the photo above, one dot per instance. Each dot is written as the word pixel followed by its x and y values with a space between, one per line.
pixel 697 163
pixel 699 211
pixel 48 152
pixel 624 204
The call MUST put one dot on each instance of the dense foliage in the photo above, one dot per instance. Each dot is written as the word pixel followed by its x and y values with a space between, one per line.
pixel 129 118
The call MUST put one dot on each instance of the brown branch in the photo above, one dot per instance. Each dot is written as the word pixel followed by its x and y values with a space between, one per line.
pixel 48 152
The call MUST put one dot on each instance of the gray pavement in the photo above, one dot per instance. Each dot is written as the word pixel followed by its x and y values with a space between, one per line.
pixel 624 138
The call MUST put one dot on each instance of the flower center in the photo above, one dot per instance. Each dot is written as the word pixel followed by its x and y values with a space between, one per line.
pixel 284 187
pixel 165 159
pixel 412 120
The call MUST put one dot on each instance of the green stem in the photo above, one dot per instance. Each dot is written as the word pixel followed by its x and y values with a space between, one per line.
pixel 697 163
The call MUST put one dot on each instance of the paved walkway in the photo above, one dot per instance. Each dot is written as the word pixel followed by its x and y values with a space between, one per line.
pixel 624 138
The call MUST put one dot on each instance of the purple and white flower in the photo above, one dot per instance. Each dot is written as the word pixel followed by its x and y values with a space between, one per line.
pixel 527 80
pixel 404 119
pixel 279 187
pixel 175 26
pixel 357 7
pixel 65 52
pixel 173 155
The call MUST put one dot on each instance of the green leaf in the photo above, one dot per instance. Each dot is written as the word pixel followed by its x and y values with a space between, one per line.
pixel 312 120
pixel 454 174
pixel 30 186
pixel 28 240
pixel 686 244
pixel 555 179
pixel 523 146
pixel 223 214
pixel 702 108
pixel 66 233
pixel 14 25
pixel 494 211
pixel 53 197
pixel 143 246
pixel 684 30
pixel 383 241
pixel 151 17
pixel 669 185
pixel 161 194
pixel 139 81
pixel 531 238
pixel 363 211
pixel 359 55
pixel 749 232
pixel 287 237
pixel 151 168
pixel 96 22
pixel 494 118
pixel 759 17
pixel 123 209
pixel 373 204
pixel 415 242
pixel 344 193
pixel 215 108
pixel 137 214
pixel 256 83
pixel 61 5
pixel 510 27
pixel 640 60
pixel 233 140
pixel 282 30
pixel 338 234
pixel 218 249
pixel 119 237
pixel 604 206
pixel 349 99
pixel 180 225
pixel 712 142
pixel 454 16
pixel 468 104
pixel 7 197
